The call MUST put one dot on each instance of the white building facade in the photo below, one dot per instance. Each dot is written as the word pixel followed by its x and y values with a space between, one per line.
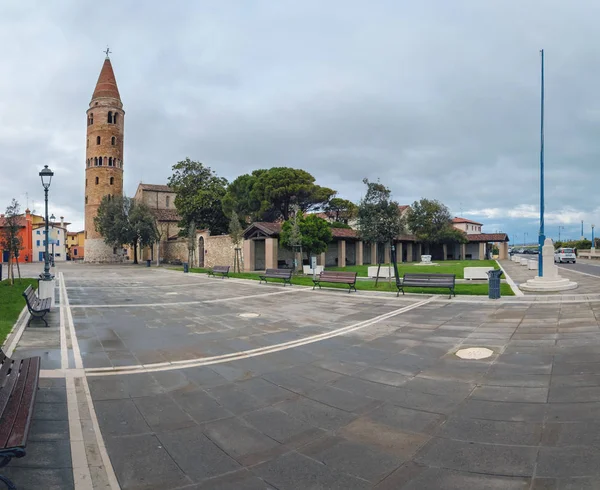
pixel 57 244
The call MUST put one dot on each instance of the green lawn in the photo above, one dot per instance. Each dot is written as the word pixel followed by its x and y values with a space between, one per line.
pixel 11 303
pixel 445 267
pixel 462 289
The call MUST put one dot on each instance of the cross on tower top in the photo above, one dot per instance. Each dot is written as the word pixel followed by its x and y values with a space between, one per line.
pixel 108 51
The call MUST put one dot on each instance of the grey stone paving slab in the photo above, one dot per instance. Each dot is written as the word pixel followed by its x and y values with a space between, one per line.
pixel 196 454
pixel 317 414
pixel 162 413
pixel 120 417
pixel 480 458
pixel 498 432
pixel 440 478
pixel 354 459
pixel 141 462
pixel 240 441
pixel 282 427
pixel 239 480
pixel 200 406
pixel 295 471
pixel 40 478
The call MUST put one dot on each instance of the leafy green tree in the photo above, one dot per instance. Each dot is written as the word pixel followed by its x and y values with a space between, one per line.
pixel 430 221
pixel 379 218
pixel 341 210
pixel 200 193
pixel 10 239
pixel 124 221
pixel 240 199
pixel 314 234
pixel 280 188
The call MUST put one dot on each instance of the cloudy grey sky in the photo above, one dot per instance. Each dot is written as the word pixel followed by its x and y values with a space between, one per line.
pixel 438 99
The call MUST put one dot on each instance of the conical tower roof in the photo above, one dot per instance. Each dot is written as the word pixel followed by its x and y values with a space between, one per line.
pixel 107 83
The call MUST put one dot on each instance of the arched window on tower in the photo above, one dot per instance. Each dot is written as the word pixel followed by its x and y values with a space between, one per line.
pixel 88 143
pixel 95 161
pixel 105 161
pixel 110 117
pixel 115 118
pixel 91 119
pixel 113 141
pixel 97 140
pixel 97 180
pixel 86 199
pixel 112 180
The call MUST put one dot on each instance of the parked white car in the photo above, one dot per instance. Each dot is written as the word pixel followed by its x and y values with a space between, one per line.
pixel 564 255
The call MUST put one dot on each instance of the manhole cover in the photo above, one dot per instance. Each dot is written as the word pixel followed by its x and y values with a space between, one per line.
pixel 249 315
pixel 475 353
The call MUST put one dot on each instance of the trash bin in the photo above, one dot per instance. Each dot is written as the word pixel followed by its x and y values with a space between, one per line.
pixel 494 283
pixel 186 267
pixel 148 262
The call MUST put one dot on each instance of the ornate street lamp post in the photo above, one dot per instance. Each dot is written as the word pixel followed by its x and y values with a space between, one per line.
pixel 46 176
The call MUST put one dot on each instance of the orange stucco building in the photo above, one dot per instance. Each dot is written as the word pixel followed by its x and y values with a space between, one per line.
pixel 25 234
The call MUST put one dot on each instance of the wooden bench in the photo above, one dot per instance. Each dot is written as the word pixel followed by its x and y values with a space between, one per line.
pixel 284 274
pixel 427 281
pixel 18 387
pixel 36 306
pixel 219 269
pixel 348 278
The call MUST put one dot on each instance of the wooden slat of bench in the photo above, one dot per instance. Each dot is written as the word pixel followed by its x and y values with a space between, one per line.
pixel 18 436
pixel 12 409
pixel 9 380
pixel 345 280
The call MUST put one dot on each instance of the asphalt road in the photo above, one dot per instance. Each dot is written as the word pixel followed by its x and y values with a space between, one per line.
pixel 587 268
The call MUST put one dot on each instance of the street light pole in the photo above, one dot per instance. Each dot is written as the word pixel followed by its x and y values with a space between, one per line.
pixel 560 228
pixel 52 218
pixel 582 235
pixel 46 176
pixel 542 236
pixel 524 238
pixel 593 244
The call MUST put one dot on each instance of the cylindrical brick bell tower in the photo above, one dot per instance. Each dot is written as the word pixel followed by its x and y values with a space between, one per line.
pixel 104 160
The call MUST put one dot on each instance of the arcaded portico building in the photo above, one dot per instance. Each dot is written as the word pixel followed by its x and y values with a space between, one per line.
pixel 103 160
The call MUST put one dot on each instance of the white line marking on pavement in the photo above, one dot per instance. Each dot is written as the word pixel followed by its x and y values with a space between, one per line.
pixel 81 470
pixel 253 352
pixel 510 282
pixel 78 453
pixel 64 354
pixel 183 303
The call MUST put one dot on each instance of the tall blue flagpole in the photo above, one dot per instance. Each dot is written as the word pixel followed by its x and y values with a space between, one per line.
pixel 542 236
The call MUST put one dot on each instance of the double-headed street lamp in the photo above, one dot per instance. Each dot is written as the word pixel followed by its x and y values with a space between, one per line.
pixel 560 228
pixel 46 176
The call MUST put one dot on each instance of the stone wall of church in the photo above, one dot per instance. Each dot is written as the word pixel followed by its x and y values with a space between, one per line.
pixel 219 250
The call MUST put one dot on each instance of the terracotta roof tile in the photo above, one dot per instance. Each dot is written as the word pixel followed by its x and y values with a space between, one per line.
pixel 21 221
pixel 344 233
pixel 106 86
pixel 488 237
pixel 465 220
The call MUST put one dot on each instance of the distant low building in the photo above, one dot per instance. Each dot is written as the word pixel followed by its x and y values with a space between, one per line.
pixel 57 244
pixel 75 245
pixel 25 222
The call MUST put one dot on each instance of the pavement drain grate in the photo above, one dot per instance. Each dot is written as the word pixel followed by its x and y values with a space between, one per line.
pixel 475 353
pixel 249 315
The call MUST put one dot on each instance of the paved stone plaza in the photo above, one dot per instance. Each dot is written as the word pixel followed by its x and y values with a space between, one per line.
pixel 155 379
